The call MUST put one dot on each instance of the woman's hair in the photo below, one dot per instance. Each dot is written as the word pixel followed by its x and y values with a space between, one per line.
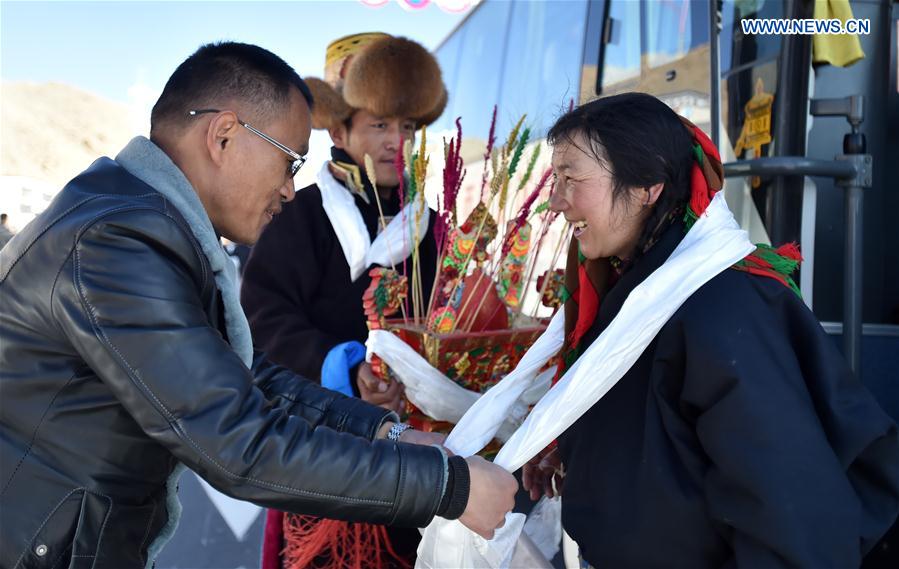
pixel 642 142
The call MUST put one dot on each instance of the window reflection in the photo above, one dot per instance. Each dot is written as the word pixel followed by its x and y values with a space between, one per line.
pixel 476 88
pixel 738 49
pixel 448 57
pixel 663 17
pixel 524 57
pixel 543 62
pixel 621 53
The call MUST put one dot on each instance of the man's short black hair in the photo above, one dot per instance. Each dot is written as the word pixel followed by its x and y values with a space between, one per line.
pixel 227 70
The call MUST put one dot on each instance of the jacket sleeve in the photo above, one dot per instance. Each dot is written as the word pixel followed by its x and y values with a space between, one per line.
pixel 317 405
pixel 279 282
pixel 131 306
pixel 803 464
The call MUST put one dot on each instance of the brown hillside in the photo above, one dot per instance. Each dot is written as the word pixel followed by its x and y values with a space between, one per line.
pixel 52 131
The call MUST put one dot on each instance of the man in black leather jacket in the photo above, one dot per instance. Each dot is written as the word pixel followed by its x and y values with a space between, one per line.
pixel 124 354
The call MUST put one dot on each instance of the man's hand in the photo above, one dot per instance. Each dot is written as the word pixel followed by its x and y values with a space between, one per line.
pixel 422 438
pixel 492 495
pixel 376 391
pixel 543 475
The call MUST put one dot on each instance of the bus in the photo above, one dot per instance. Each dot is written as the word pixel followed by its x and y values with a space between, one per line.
pixel 750 93
pixel 810 154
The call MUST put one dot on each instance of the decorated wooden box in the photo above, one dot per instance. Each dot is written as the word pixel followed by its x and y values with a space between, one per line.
pixel 474 360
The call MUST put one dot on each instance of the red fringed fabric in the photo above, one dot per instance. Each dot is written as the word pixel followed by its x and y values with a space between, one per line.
pixel 271 539
pixel 706 179
pixel 706 176
pixel 699 198
pixel 708 147
pixel 790 251
pixel 777 264
pixel 762 272
pixel 317 543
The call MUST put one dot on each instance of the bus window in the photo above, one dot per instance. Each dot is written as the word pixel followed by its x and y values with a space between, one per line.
pixel 640 53
pixel 661 44
pixel 543 63
pixel 621 52
pixel 448 57
pixel 749 83
pixel 738 50
pixel 483 41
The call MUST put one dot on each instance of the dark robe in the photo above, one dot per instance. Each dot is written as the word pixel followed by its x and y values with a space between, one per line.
pixel 297 291
pixel 739 438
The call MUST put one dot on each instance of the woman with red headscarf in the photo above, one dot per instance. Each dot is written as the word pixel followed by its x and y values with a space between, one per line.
pixel 739 437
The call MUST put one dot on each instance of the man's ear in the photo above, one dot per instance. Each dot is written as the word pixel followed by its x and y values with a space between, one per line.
pixel 340 136
pixel 653 193
pixel 220 136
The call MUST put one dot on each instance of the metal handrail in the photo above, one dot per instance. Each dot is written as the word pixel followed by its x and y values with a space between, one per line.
pixel 852 172
pixel 791 166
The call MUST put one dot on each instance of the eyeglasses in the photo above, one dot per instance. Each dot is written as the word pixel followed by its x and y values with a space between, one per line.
pixel 297 160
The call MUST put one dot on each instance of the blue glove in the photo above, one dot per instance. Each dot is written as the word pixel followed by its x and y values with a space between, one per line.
pixel 337 365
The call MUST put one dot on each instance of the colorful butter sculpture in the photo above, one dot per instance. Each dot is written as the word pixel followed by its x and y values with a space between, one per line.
pixel 512 276
pixel 471 327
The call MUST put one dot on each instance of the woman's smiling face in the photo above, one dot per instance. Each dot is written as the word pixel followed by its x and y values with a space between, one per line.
pixel 603 225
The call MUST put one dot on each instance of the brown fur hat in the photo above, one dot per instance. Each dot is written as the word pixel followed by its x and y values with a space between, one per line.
pixel 329 109
pixel 387 76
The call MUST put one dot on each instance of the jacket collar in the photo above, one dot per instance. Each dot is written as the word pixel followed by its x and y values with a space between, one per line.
pixel 147 162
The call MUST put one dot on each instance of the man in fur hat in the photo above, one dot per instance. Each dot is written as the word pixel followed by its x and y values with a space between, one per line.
pixel 304 281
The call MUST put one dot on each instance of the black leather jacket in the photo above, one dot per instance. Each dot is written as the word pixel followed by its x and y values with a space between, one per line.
pixel 113 366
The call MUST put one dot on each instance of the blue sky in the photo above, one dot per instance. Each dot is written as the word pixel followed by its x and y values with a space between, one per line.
pixel 125 50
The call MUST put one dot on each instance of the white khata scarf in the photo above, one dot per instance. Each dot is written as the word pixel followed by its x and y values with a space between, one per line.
pixel 392 246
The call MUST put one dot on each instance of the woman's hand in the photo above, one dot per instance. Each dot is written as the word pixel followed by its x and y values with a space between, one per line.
pixel 374 390
pixel 544 474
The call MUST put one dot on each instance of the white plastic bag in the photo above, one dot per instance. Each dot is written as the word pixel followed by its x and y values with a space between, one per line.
pixel 713 244
pixel 544 526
